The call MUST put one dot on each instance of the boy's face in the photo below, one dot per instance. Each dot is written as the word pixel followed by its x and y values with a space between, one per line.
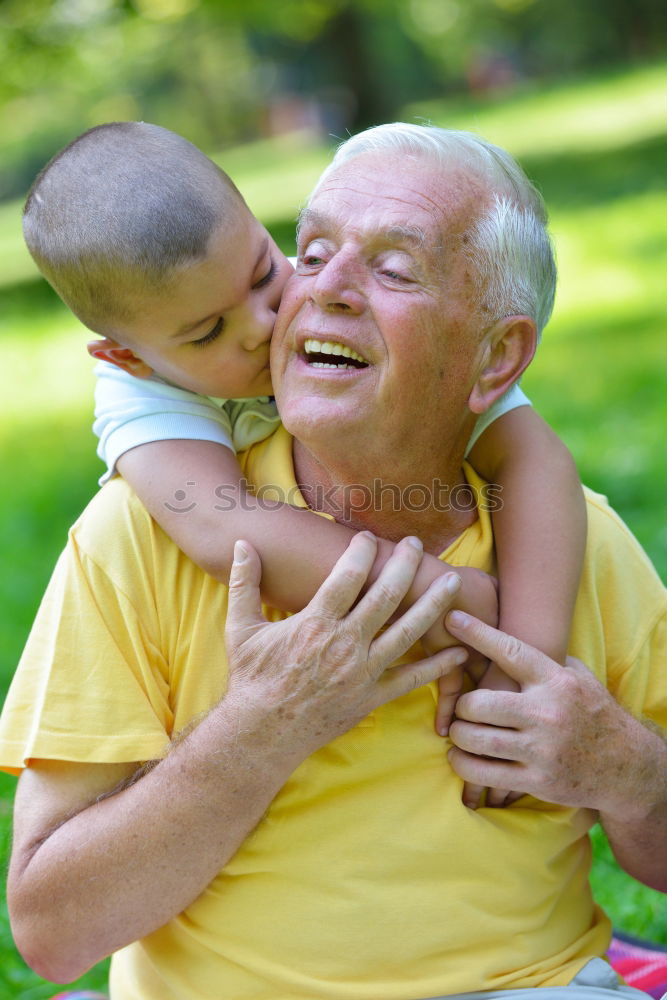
pixel 209 330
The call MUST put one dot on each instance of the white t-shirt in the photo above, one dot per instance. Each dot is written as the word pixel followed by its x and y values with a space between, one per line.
pixel 132 411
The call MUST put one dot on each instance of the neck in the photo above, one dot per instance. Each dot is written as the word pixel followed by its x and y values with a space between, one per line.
pixel 385 496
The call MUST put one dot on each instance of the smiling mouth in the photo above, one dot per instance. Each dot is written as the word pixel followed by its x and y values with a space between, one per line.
pixel 330 354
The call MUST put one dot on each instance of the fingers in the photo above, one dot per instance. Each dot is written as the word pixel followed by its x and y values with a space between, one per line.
pixel 385 595
pixel 486 741
pixel 495 798
pixel 523 663
pixel 472 795
pixel 449 689
pixel 492 708
pixel 408 676
pixel 485 773
pixel 347 579
pixel 376 607
pixel 244 613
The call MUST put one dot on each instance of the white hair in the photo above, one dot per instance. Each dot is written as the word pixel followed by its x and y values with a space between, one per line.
pixel 508 244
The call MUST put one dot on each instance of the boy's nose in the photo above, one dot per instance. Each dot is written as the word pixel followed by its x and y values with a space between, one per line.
pixel 259 329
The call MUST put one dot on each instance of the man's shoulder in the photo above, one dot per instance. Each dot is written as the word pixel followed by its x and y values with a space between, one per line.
pixel 116 532
pixel 116 502
pixel 621 609
pixel 610 540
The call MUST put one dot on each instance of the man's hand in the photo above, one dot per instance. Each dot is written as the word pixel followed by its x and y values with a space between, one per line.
pixel 493 680
pixel 317 674
pixel 562 737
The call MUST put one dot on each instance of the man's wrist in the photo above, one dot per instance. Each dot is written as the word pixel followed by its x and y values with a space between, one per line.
pixel 642 791
pixel 259 735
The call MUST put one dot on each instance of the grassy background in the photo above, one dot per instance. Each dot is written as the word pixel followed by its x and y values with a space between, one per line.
pixel 598 151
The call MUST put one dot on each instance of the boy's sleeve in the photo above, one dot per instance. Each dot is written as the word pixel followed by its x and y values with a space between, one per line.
pixel 513 398
pixel 133 411
pixel 252 420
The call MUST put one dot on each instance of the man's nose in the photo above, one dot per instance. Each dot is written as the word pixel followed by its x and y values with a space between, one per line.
pixel 338 286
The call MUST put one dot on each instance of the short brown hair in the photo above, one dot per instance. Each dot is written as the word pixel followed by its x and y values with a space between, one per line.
pixel 117 210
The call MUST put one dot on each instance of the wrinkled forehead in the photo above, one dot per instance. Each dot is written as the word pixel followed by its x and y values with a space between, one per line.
pixel 391 188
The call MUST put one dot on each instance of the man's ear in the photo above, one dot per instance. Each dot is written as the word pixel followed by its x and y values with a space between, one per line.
pixel 121 357
pixel 510 346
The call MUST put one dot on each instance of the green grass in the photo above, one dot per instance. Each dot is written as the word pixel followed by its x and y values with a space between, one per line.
pixel 598 151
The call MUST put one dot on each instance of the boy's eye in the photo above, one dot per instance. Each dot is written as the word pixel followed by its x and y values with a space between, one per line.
pixel 212 335
pixel 268 277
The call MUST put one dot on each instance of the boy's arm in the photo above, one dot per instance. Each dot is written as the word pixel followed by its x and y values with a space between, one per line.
pixel 195 491
pixel 539 527
pixel 540 536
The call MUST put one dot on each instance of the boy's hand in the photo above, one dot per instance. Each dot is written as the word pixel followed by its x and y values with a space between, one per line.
pixel 479 597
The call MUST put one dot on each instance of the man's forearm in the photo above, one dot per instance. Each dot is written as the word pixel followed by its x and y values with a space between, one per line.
pixel 122 867
pixel 637 829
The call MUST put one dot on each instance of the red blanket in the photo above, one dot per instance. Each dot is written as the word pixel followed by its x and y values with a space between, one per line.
pixel 640 963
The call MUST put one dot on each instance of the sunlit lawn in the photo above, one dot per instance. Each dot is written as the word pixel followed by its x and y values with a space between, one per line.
pixel 598 151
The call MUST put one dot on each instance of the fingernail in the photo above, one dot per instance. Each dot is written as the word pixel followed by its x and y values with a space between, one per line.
pixel 240 552
pixel 459 618
pixel 443 729
pixel 415 542
pixel 452 583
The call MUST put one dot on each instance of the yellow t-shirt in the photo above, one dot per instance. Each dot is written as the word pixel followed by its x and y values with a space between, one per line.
pixel 367 878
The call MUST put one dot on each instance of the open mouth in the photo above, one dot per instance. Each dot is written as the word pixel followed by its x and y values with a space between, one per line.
pixel 329 354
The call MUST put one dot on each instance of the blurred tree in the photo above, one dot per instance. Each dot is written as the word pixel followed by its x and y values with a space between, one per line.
pixel 224 70
pixel 70 64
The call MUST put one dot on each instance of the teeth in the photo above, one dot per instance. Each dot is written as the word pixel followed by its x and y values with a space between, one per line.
pixel 328 347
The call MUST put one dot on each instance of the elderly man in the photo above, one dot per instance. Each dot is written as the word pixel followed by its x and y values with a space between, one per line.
pixel 306 836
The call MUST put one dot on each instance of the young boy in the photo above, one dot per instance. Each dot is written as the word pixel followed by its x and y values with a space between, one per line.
pixel 153 248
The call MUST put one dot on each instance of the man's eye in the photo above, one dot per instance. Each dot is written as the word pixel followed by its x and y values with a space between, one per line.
pixel 395 275
pixel 314 253
pixel 268 277
pixel 311 260
pixel 211 335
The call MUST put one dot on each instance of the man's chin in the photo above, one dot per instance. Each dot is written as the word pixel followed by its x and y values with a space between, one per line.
pixel 309 418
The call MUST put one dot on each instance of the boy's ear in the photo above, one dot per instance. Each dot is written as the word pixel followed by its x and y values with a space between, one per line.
pixel 510 346
pixel 121 357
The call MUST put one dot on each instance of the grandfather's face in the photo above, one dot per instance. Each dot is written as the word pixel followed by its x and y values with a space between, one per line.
pixel 377 333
